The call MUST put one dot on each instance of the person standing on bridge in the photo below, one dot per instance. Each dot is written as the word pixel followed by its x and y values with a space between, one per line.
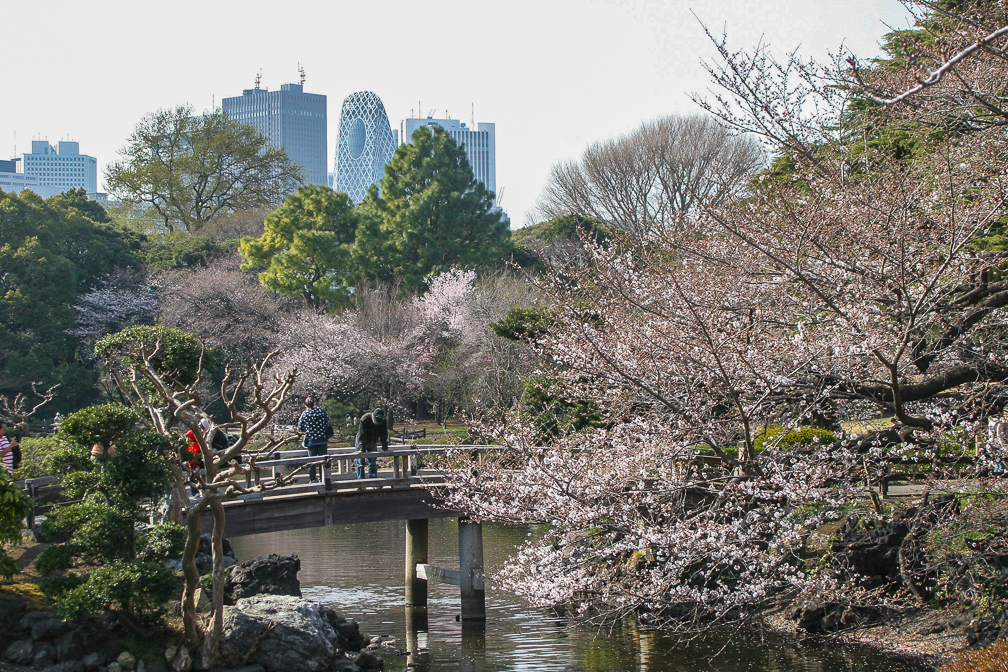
pixel 372 429
pixel 317 428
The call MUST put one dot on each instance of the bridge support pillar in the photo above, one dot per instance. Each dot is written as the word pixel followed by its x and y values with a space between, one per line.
pixel 416 553
pixel 471 570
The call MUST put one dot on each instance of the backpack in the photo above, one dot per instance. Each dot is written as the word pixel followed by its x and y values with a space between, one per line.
pixel 16 455
pixel 329 431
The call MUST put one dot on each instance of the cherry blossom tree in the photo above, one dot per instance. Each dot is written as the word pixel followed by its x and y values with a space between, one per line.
pixel 856 278
pixel 225 307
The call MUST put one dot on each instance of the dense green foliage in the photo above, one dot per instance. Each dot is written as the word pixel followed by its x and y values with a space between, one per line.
pixel 104 424
pixel 116 488
pixel 163 541
pixel 52 251
pixel 178 352
pixel 431 214
pixel 182 250
pixel 307 247
pixel 14 506
pixel 138 591
pixel 554 415
pixel 522 324
pixel 56 558
pixel 35 450
pixel 562 229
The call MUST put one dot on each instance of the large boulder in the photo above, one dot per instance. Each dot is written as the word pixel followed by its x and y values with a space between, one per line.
pixel 279 632
pixel 272 575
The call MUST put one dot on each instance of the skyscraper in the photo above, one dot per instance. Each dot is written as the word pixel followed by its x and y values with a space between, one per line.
pixel 366 143
pixel 479 144
pixel 291 119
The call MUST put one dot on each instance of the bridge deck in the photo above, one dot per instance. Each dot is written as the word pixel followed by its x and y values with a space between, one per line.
pixel 300 508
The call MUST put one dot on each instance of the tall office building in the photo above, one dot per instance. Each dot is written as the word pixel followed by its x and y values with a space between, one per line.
pixel 366 143
pixel 58 171
pixel 479 145
pixel 291 119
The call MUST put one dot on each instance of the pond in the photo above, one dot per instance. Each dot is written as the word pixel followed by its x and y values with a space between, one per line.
pixel 358 571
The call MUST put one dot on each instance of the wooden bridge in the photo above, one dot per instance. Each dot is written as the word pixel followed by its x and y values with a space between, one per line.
pixel 402 491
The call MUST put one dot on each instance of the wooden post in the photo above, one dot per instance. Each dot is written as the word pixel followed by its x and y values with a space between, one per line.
pixel 416 553
pixel 31 496
pixel 326 474
pixel 471 570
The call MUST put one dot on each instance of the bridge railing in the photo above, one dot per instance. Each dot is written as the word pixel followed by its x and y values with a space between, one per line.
pixel 338 466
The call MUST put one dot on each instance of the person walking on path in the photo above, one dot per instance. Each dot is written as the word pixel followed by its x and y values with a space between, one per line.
pixel 370 431
pixel 317 428
pixel 7 449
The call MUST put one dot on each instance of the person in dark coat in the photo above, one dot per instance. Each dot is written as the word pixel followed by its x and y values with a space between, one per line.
pixel 317 428
pixel 371 429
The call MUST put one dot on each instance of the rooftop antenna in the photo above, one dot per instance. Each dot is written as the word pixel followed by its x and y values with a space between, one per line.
pixel 301 72
pixel 472 119
pixel 258 79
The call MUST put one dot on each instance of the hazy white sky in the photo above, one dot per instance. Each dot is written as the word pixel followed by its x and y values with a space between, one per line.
pixel 554 75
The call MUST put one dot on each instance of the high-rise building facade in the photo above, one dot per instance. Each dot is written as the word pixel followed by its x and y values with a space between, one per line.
pixel 479 144
pixel 291 119
pixel 57 171
pixel 366 143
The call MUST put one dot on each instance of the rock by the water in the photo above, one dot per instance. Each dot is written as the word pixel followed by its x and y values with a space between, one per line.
pixel 32 617
pixel 344 665
pixel 69 666
pixel 368 661
pixel 20 653
pixel 70 646
pixel 126 660
pixel 93 661
pixel 45 655
pixel 350 637
pixel 281 632
pixel 206 545
pixel 181 661
pixel 278 632
pixel 272 575
pixel 49 629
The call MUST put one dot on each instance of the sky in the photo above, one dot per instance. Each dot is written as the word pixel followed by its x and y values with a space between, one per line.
pixel 553 75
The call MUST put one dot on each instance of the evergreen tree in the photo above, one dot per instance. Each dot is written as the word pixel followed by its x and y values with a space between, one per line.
pixel 431 215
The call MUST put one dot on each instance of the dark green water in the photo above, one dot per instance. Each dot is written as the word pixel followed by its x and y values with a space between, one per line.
pixel 358 570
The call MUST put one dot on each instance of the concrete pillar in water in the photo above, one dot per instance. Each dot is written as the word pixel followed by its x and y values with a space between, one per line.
pixel 471 570
pixel 416 552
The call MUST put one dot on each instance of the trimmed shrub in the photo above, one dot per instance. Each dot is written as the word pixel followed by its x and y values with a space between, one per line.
pixel 802 436
pixel 56 558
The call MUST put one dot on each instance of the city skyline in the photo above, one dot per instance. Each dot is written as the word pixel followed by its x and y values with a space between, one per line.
pixel 554 77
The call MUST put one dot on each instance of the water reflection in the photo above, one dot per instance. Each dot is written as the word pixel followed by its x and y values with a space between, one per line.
pixel 358 570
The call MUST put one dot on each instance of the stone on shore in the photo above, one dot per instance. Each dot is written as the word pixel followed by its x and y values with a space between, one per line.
pixel 282 632
pixel 272 575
